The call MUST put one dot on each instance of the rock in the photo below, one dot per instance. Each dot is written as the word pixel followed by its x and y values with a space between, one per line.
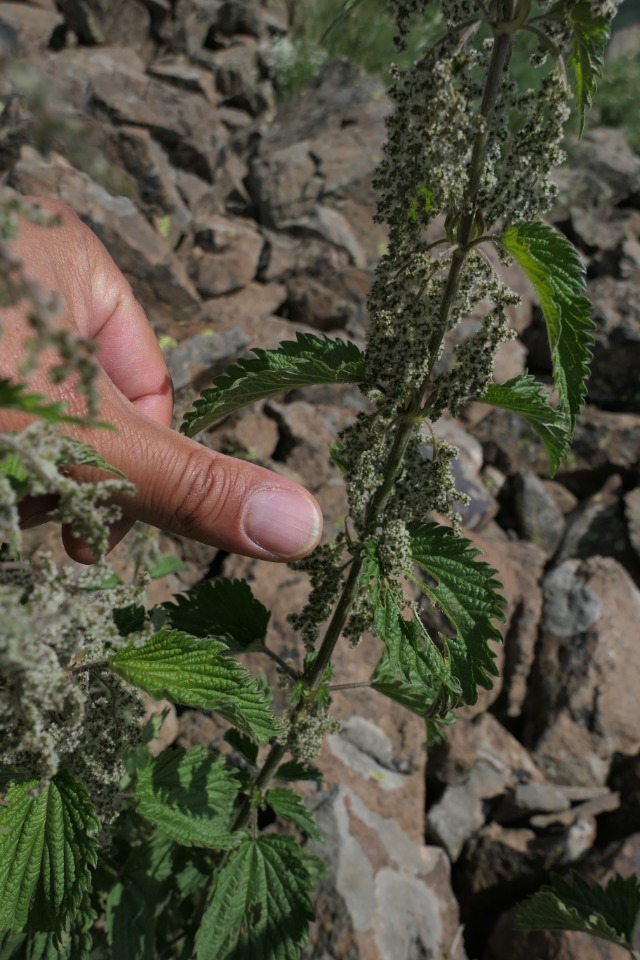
pixel 614 370
pixel 201 357
pixel 109 85
pixel 317 305
pixel 248 434
pixel 253 307
pixel 226 255
pixel 509 444
pixel 522 635
pixel 395 892
pixel 583 705
pixel 480 739
pixel 324 143
pixel 239 17
pixel 169 729
pixel 603 443
pixel 632 514
pixel 478 762
pixel 306 433
pixel 506 942
pixel 330 225
pixel 603 172
pixel 598 527
pixel 25 30
pixel 155 180
pixel 565 500
pixel 538 516
pixel 499 866
pixel 185 76
pixel 538 798
pixel 460 811
pixel 117 22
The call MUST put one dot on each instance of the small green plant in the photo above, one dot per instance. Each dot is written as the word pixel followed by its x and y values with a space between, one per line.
pixel 108 851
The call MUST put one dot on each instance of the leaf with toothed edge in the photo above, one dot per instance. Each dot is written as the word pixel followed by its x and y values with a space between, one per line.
pixel 48 846
pixel 525 396
pixel 467 593
pixel 221 608
pixel 590 36
pixel 302 362
pixel 186 670
pixel 611 912
pixel 557 274
pixel 259 906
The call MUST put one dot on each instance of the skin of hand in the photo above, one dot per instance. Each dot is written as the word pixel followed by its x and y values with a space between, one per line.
pixel 181 486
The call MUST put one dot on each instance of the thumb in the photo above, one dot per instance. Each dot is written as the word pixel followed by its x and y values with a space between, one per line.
pixel 187 489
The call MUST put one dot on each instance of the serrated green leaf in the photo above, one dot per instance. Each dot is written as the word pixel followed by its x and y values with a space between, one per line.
pixel 466 592
pixel 525 396
pixel 259 907
pixel 412 694
pixel 294 770
pixel 410 652
pixel 553 266
pixel 47 850
pixel 306 361
pixel 611 912
pixel 287 804
pixel 221 608
pixel 590 37
pixel 189 796
pixel 183 669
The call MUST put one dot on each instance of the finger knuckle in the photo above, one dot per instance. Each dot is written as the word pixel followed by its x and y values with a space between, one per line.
pixel 204 491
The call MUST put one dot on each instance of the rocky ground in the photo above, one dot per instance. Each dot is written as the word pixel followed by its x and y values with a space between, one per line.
pixel 238 223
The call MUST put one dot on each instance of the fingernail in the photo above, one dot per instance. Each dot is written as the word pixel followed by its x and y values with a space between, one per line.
pixel 286 524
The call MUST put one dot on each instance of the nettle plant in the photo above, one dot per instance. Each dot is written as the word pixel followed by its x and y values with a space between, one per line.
pixel 106 851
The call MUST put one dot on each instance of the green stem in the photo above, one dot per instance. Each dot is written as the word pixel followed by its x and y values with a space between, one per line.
pixel 315 672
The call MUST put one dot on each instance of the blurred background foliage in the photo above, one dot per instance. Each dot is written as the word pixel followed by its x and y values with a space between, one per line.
pixel 362 31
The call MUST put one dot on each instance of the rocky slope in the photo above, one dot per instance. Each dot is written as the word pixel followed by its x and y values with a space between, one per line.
pixel 239 222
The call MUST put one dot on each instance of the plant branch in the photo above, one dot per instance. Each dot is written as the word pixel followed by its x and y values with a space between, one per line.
pixel 294 674
pixel 405 424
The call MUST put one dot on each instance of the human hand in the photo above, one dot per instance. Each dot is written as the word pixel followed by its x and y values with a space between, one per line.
pixel 181 486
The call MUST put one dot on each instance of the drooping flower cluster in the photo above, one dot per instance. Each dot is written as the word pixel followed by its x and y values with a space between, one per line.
pixel 51 713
